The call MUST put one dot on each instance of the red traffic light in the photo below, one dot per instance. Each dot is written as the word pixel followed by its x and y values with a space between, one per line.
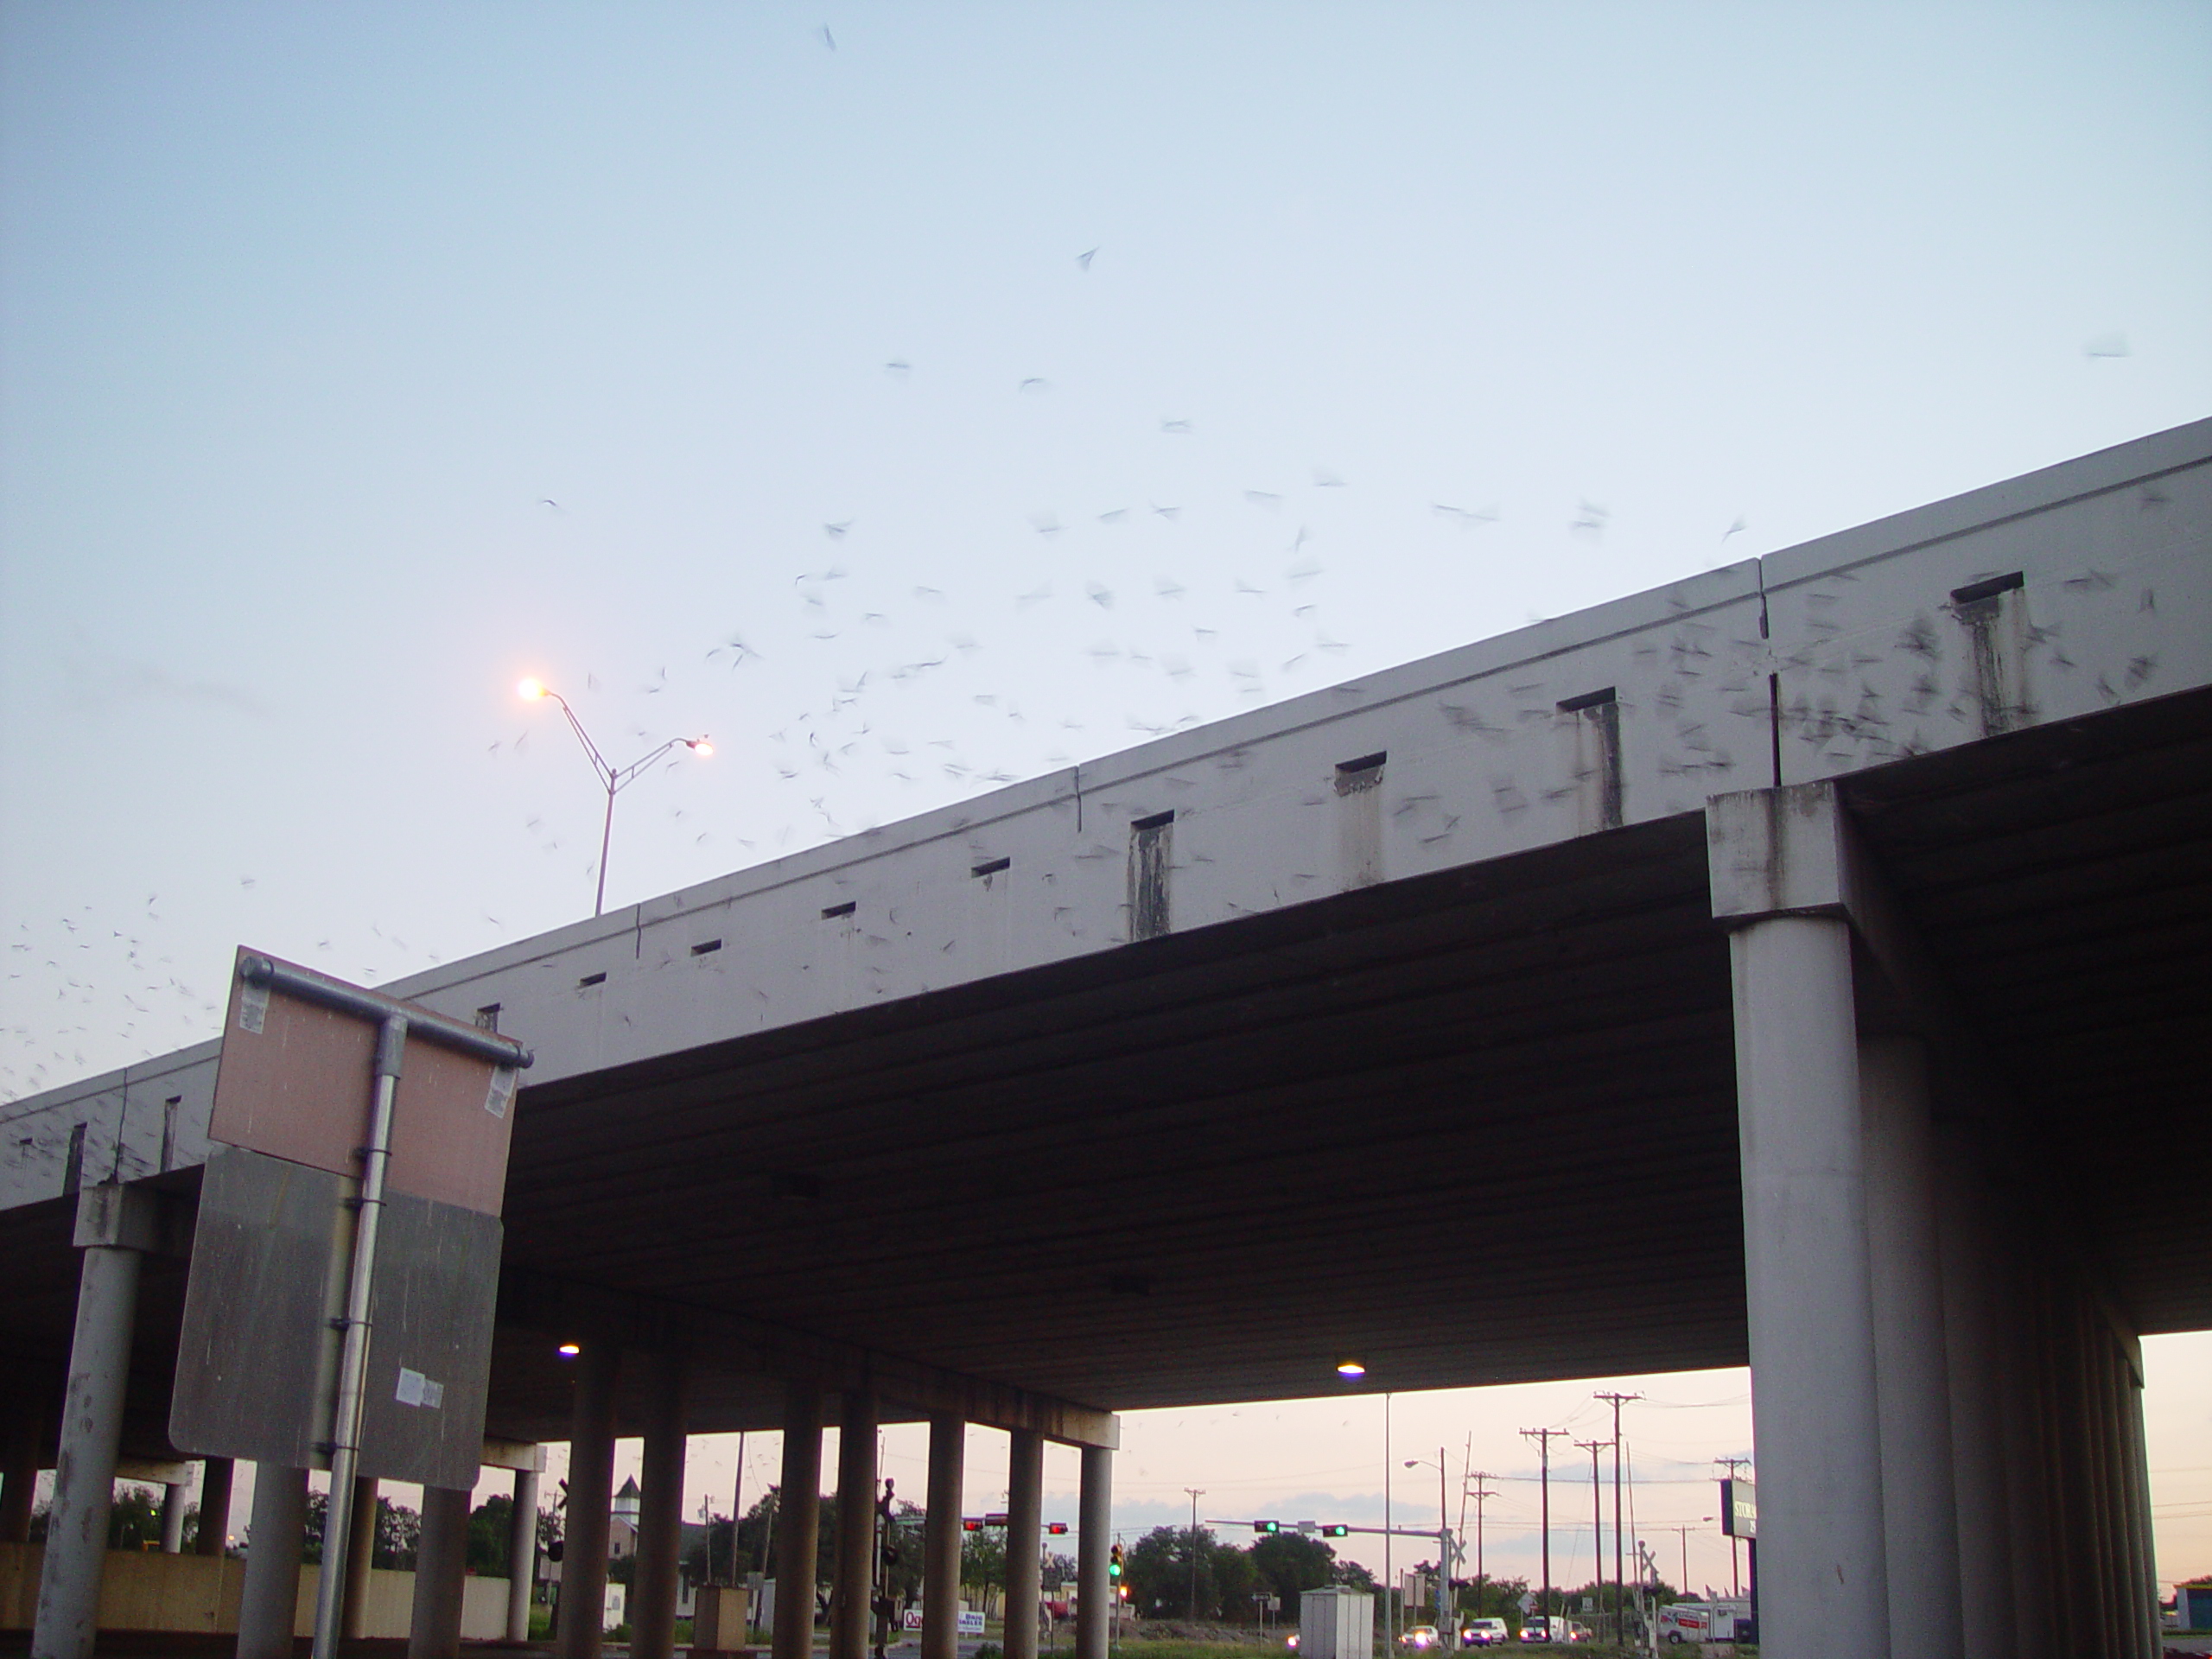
pixel 969 1523
pixel 1057 1529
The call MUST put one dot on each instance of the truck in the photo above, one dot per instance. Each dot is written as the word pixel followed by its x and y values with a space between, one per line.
pixel 1704 1621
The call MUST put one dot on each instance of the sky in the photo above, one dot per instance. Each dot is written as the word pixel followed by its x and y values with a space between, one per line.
pixel 916 399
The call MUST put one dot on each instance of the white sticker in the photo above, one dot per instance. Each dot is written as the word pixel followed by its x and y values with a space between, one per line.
pixel 253 1009
pixel 416 1389
pixel 502 1090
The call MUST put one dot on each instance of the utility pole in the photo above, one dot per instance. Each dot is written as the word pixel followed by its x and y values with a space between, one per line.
pixel 1596 1523
pixel 1544 1437
pixel 1620 1617
pixel 1481 1494
pixel 1196 1492
pixel 1735 1567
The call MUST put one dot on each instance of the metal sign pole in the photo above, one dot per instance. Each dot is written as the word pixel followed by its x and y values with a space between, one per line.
pixel 353 1358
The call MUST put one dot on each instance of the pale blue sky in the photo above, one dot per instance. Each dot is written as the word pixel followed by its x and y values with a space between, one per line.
pixel 306 314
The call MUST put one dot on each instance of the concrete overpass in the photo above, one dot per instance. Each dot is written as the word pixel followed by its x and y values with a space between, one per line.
pixel 1821 943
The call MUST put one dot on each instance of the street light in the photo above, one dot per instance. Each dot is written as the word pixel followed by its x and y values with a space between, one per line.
pixel 1443 1542
pixel 612 779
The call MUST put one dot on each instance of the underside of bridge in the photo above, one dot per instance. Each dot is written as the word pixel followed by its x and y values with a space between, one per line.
pixel 1471 1129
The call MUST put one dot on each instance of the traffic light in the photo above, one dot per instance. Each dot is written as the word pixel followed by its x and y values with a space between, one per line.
pixel 1264 1527
pixel 1057 1529
pixel 970 1523
pixel 1338 1531
pixel 1114 1564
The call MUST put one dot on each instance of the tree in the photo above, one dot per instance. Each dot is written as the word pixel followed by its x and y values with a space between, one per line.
pixel 398 1531
pixel 491 1536
pixel 1289 1564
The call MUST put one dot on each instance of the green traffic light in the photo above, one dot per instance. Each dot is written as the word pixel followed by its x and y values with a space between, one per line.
pixel 1267 1526
pixel 1336 1531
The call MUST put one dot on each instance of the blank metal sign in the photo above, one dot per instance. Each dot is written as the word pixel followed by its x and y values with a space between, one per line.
pixel 258 1356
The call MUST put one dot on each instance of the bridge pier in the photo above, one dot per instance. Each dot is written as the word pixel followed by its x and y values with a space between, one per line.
pixel 441 1572
pixel 522 1556
pixel 215 1476
pixel 941 1536
pixel 269 1601
pixel 1947 1407
pixel 591 1502
pixel 852 1595
pixel 799 1520
pixel 660 1509
pixel 1024 1527
pixel 1095 1589
pixel 116 1227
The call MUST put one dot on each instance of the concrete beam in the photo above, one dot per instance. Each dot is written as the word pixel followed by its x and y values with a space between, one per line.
pixel 571 1311
pixel 521 1456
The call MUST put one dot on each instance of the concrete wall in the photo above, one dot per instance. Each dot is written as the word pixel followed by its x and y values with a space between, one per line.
pixel 150 1590
pixel 1822 659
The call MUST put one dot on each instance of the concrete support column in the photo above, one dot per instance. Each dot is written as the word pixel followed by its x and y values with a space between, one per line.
pixel 2144 1571
pixel 113 1227
pixel 1093 1550
pixel 591 1503
pixel 1025 1529
pixel 440 1570
pixel 941 1539
pixel 1920 1521
pixel 214 1535
pixel 360 1559
pixel 660 1510
pixel 18 1474
pixel 1971 1344
pixel 799 1520
pixel 522 1556
pixel 173 1518
pixel 851 1598
pixel 2037 1587
pixel 1815 1415
pixel 269 1604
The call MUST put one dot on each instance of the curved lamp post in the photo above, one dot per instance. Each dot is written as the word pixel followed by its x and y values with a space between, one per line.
pixel 612 779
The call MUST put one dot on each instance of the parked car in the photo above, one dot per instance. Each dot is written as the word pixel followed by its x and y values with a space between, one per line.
pixel 1484 1633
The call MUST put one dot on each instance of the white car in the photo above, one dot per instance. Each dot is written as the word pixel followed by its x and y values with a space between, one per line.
pixel 1483 1633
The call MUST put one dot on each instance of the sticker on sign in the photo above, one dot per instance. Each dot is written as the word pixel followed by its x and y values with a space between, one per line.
pixel 416 1389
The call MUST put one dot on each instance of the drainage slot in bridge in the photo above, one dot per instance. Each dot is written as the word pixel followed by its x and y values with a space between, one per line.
pixel 706 947
pixel 992 866
pixel 831 912
pixel 1974 592
pixel 1596 758
pixel 1366 772
pixel 1148 857
pixel 589 980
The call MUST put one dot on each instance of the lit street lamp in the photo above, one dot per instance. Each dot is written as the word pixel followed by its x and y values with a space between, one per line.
pixel 612 779
pixel 1444 1597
